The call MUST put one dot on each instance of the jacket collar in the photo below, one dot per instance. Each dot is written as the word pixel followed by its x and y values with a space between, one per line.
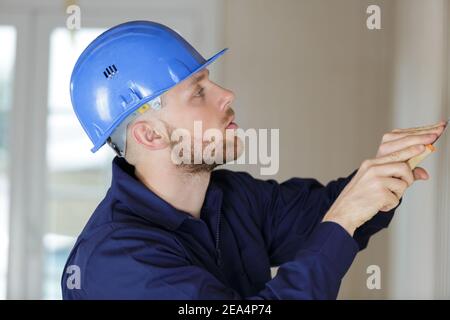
pixel 128 190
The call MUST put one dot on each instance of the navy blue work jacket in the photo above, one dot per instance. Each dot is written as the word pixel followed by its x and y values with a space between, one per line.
pixel 138 246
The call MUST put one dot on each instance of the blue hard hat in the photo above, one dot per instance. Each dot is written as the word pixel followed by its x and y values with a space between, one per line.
pixel 125 67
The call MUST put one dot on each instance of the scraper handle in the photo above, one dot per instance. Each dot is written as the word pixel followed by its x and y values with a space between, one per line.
pixel 413 162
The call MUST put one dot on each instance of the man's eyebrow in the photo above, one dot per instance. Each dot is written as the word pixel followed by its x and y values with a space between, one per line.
pixel 197 78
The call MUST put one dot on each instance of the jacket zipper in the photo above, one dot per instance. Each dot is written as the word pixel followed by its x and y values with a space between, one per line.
pixel 218 253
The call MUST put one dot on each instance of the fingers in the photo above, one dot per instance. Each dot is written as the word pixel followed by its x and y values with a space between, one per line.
pixel 399 170
pixel 407 141
pixel 395 135
pixel 396 186
pixel 391 201
pixel 427 127
pixel 399 156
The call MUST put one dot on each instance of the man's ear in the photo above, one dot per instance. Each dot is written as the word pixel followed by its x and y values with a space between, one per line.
pixel 147 136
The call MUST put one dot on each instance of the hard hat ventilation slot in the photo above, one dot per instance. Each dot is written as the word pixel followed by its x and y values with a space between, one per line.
pixel 110 71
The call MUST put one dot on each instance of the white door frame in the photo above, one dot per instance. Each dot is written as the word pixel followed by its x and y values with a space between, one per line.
pixel 442 281
pixel 419 236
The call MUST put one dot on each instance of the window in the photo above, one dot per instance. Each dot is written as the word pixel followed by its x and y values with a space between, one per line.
pixel 62 182
pixel 8 41
pixel 77 179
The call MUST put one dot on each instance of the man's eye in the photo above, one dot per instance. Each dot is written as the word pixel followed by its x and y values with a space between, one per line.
pixel 199 93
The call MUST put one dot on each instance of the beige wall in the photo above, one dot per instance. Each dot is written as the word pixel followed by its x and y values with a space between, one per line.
pixel 313 69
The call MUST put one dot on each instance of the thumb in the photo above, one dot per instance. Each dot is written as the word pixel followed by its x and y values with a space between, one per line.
pixel 420 174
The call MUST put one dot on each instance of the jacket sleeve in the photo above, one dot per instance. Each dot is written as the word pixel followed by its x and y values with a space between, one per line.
pixel 292 210
pixel 151 267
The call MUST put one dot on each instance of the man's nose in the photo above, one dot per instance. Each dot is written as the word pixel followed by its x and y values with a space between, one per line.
pixel 226 99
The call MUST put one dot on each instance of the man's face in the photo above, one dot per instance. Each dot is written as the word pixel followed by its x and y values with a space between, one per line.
pixel 199 106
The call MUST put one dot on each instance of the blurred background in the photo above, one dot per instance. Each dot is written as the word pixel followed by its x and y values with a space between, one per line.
pixel 311 68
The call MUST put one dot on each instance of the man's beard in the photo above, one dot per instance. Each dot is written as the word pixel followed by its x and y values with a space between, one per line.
pixel 205 167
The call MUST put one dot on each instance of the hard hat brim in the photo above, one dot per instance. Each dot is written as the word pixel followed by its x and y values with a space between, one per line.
pixel 122 117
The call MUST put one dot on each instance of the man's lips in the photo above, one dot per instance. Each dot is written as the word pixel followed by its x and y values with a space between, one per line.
pixel 232 125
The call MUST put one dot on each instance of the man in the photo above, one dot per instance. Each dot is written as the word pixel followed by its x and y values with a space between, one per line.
pixel 179 230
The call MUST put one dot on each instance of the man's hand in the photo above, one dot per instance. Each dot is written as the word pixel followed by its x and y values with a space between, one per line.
pixel 401 138
pixel 380 183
